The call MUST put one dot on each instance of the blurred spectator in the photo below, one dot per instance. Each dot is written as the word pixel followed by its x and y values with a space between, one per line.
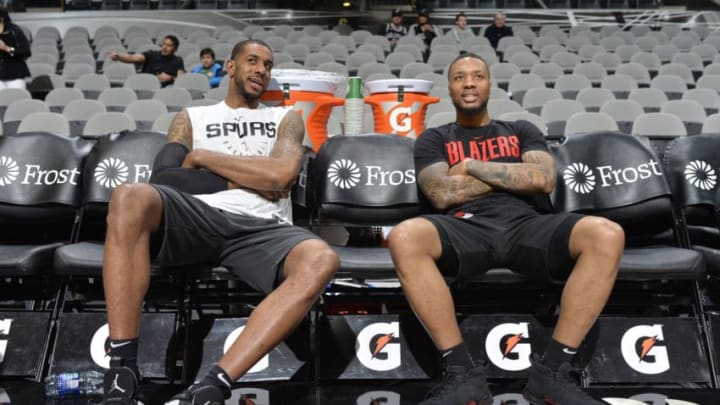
pixel 163 63
pixel 424 30
pixel 14 49
pixel 498 30
pixel 394 30
pixel 210 67
pixel 461 31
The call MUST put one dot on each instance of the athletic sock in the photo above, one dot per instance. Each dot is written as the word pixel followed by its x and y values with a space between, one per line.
pixel 219 378
pixel 126 349
pixel 557 354
pixel 458 356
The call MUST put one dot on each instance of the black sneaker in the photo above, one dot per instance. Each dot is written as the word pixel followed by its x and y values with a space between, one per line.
pixel 199 394
pixel 461 386
pixel 121 384
pixel 548 387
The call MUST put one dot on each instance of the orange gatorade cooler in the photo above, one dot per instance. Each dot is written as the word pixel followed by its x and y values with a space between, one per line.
pixel 312 93
pixel 399 105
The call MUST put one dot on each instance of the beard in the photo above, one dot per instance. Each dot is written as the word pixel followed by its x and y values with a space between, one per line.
pixel 470 110
pixel 248 96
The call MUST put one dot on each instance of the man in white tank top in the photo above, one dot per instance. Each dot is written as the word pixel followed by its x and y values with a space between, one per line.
pixel 251 155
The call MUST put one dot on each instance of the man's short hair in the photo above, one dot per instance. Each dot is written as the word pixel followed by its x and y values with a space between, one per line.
pixel 207 51
pixel 471 56
pixel 240 47
pixel 458 15
pixel 174 40
pixel 397 13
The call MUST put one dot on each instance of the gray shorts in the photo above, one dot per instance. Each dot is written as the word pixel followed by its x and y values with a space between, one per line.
pixel 194 233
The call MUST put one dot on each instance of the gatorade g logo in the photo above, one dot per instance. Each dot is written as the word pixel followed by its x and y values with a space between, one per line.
pixel 701 175
pixel 253 396
pixel 5 325
pixel 400 120
pixel 641 349
pixel 507 347
pixel 261 365
pixel 378 398
pixel 377 346
pixel 9 170
pixel 510 398
pixel 111 172
pixel 97 347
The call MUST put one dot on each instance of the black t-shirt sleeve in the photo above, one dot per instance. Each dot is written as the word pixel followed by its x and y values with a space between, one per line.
pixel 530 137
pixel 429 149
pixel 181 64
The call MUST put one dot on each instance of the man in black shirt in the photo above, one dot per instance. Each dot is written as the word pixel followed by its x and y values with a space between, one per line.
pixel 480 176
pixel 163 63
pixel 498 30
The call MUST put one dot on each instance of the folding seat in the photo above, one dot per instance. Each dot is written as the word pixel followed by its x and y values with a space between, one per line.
pixel 298 52
pixel 640 30
pixel 705 52
pixel 609 61
pixel 251 29
pixel 536 98
pixel 282 57
pixel 586 52
pixel 660 128
pixel 556 112
pixel 92 85
pixel 440 61
pixel 588 122
pixel 376 40
pixel 548 71
pixel 650 99
pixel 611 43
pixel 162 123
pixel 625 52
pixel 495 92
pixel 195 83
pixel 338 51
pixel 665 52
pixel 519 84
pixel 57 99
pixel 593 71
pixel 359 58
pixel 525 116
pixel 709 81
pixel 649 60
pixel 566 60
pixel 542 41
pixel 9 96
pixel 713 41
pixel 646 43
pixel 116 99
pixel 637 71
pixel 398 59
pixel 711 69
pixel 143 84
pixel 137 45
pixel 548 51
pixel 48 32
pixel 608 30
pixel 73 71
pixel 501 73
pixel 370 68
pixel 411 70
pixel 570 85
pixel 18 110
pixel 679 70
pixel 690 112
pixel 506 42
pixel 326 36
pixel 290 65
pixel 513 49
pixel 41 56
pixel 711 126
pixel 593 36
pixel 332 67
pixel 684 42
pixel 45 122
pixel 623 112
pixel 671 30
pixel 145 112
pixel 693 61
pixel 527 35
pixel 79 111
pixel 359 36
pixel 484 51
pixel 574 43
pixel 524 60
pixel 672 86
pixel 105 123
pixel 473 41
pixel 498 106
pixel 592 99
pixel 316 58
pixel 40 69
pixel 440 119
pixel 661 37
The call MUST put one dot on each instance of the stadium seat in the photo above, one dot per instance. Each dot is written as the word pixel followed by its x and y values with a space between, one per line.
pixel 440 118
pixel 338 51
pixel 145 112
pixel 548 71
pixel 569 85
pixel 18 110
pixel 57 99
pixel 174 98
pixel 566 60
pixel 196 84
pixel 399 59
pixel 535 98
pixel 411 70
pixel 9 96
pixel 162 123
pixel 679 70
pixel 556 112
pixel 709 99
pixel 143 84
pixel 525 116
pixel 92 85
pixel 102 124
pixel 497 107
pixel 665 52
pixel 547 51
pixel 45 122
pixel 690 112
pixel 521 83
pixel 592 70
pixel 501 73
pixel 592 99
pixel 116 99
pixel 637 71
pixel 673 86
pixel 370 68
pixel 587 52
pixel 587 122
pixel 650 99
pixel 711 125
pixel 623 112
pixel 79 111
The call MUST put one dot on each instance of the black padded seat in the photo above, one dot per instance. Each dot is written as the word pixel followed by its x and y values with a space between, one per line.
pixel 26 260
pixel 661 263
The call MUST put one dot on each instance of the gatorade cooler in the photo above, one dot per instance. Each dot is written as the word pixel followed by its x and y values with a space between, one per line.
pixel 311 93
pixel 399 105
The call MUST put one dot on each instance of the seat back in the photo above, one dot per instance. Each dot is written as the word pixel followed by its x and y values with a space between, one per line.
pixel 366 180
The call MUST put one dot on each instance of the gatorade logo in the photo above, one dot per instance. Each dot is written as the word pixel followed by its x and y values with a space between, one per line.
pixel 258 396
pixel 507 347
pixel 9 170
pixel 261 365
pixel 400 119
pixel 378 346
pixel 701 175
pixel 378 398
pixel 641 349
pixel 111 172
pixel 510 398
pixel 5 325
pixel 97 346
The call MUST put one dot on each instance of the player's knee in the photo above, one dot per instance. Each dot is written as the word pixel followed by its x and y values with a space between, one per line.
pixel 606 236
pixel 129 205
pixel 316 267
pixel 407 236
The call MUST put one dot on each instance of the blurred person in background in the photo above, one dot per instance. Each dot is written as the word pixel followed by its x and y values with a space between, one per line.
pixel 163 63
pixel 210 68
pixel 14 49
pixel 394 30
pixel 498 30
pixel 461 31
pixel 424 30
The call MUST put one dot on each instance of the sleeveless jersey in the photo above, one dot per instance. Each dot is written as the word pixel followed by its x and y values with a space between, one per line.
pixel 240 132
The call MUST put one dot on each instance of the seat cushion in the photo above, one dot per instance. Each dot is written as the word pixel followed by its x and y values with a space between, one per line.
pixel 26 260
pixel 83 258
pixel 365 262
pixel 661 263
pixel 712 259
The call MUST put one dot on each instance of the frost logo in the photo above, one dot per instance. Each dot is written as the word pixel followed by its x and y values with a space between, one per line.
pixel 642 353
pixel 579 178
pixel 111 172
pixel 701 175
pixel 344 173
pixel 505 348
pixel 9 170
pixel 378 347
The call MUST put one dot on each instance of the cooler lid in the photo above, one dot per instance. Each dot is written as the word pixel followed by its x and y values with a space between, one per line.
pixel 391 85
pixel 305 80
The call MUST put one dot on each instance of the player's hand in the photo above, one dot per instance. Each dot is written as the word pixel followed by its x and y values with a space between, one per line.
pixel 191 159
pixel 459 169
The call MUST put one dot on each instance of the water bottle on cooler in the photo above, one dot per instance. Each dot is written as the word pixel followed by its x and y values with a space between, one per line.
pixel 82 383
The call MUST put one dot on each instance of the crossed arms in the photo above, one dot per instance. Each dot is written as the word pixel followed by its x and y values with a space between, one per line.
pixel 449 187
pixel 270 176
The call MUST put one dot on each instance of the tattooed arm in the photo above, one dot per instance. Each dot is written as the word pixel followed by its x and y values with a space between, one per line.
pixel 276 172
pixel 180 130
pixel 446 191
pixel 536 173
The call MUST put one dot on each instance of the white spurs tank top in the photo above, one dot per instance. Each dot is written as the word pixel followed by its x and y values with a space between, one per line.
pixel 240 132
